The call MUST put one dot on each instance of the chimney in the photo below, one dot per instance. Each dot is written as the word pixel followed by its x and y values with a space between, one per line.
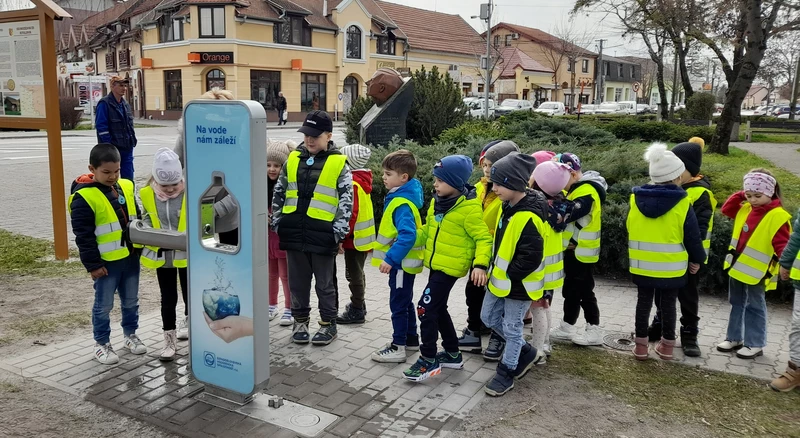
pixel 324 8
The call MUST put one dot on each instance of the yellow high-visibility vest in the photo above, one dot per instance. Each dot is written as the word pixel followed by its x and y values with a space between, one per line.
pixel 387 234
pixel 794 274
pixel 758 262
pixel 655 245
pixel 364 228
pixel 107 229
pixel 694 194
pixel 325 201
pixel 150 257
pixel 586 230
pixel 553 260
pixel 499 283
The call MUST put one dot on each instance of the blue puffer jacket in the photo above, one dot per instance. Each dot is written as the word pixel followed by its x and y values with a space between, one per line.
pixel 114 122
pixel 403 219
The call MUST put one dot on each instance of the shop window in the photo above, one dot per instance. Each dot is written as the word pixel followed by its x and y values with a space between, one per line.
pixel 353 42
pixel 387 45
pixel 264 87
pixel 293 31
pixel 212 22
pixel 313 91
pixel 215 79
pixel 172 86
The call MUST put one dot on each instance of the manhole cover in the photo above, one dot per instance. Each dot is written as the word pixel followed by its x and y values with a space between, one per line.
pixel 619 341
pixel 304 420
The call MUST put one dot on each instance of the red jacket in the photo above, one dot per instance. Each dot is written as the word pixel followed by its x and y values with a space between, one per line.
pixel 731 207
pixel 364 178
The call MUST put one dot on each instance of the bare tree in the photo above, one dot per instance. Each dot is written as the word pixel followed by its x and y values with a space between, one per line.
pixel 572 42
pixel 15 5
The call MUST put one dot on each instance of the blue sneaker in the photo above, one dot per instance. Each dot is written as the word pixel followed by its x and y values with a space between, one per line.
pixel 422 369
pixel 450 360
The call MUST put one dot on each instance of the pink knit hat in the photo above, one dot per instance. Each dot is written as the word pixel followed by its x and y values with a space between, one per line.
pixel 551 177
pixel 542 156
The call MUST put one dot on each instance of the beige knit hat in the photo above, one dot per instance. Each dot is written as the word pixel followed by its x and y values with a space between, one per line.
pixel 278 151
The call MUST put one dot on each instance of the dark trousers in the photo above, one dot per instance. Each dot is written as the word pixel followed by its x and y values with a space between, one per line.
pixel 304 265
pixel 668 312
pixel 229 237
pixel 579 291
pixel 126 163
pixel 168 283
pixel 401 303
pixel 434 317
pixel 475 296
pixel 354 273
pixel 689 299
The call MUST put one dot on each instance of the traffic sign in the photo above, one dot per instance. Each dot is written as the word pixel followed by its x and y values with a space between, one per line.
pixel 341 96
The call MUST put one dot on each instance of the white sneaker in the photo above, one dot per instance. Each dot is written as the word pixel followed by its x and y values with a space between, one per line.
pixel 547 348
pixel 728 346
pixel 273 312
pixel 135 345
pixel 593 335
pixel 287 319
pixel 749 353
pixel 105 354
pixel 170 346
pixel 564 331
pixel 183 329
pixel 390 354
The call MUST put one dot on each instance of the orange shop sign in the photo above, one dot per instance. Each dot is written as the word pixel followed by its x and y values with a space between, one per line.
pixel 210 57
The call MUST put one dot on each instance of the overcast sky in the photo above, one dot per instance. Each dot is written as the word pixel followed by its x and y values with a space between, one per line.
pixel 540 14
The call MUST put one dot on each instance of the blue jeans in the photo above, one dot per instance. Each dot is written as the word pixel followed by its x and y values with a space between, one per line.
pixel 504 316
pixel 401 304
pixel 123 277
pixel 748 320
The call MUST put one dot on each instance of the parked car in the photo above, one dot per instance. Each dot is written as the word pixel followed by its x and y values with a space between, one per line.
pixel 511 105
pixel 609 108
pixel 779 110
pixel 627 107
pixel 760 111
pixel 476 106
pixel 551 109
pixel 786 115
pixel 586 109
pixel 643 108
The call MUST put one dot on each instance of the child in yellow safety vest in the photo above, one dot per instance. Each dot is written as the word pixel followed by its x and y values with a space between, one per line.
pixel 165 207
pixel 586 191
pixel 517 269
pixel 761 229
pixel 664 245
pixel 361 238
pixel 101 206
pixel 277 154
pixel 790 269
pixel 470 339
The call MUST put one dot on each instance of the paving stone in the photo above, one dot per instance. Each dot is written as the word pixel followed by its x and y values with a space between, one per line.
pixel 224 424
pixel 165 413
pixel 330 388
pixel 265 430
pixel 312 400
pixel 378 424
pixel 334 400
pixel 190 413
pixel 348 426
pixel 182 403
pixel 362 397
pixel 303 390
pixel 370 409
pixel 153 407
pixel 454 402
pixel 345 409
pixel 214 413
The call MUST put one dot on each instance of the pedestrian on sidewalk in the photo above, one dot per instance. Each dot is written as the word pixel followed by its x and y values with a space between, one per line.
pixel 277 154
pixel 664 244
pixel 101 206
pixel 361 237
pixel 790 268
pixel 311 208
pixel 761 230
pixel 164 203
pixel 282 109
pixel 114 123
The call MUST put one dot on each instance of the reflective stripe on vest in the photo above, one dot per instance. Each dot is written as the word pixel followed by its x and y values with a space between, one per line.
pixel 553 261
pixel 150 254
pixel 655 245
pixel 499 283
pixel 586 231
pixel 794 274
pixel 694 194
pixel 364 228
pixel 108 231
pixel 325 200
pixel 758 262
pixel 387 235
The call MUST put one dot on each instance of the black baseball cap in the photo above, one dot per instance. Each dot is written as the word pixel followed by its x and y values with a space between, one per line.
pixel 316 123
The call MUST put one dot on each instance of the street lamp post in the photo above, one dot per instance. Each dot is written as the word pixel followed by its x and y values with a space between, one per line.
pixel 486 14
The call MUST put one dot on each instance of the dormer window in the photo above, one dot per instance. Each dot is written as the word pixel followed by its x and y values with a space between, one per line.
pixel 387 45
pixel 293 31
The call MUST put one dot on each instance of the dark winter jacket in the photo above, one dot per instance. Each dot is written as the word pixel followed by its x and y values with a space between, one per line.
pixel 582 206
pixel 529 250
pixel 281 103
pixel 702 207
pixel 655 201
pixel 83 223
pixel 114 122
pixel 403 218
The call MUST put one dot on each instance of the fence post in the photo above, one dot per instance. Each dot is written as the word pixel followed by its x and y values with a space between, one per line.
pixel 748 134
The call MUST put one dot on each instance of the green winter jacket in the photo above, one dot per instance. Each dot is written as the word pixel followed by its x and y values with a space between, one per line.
pixel 458 240
pixel 792 248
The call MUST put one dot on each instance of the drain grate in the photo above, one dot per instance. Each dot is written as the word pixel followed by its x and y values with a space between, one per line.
pixel 303 420
pixel 619 341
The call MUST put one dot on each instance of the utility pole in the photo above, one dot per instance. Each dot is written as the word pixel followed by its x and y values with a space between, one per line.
pixel 600 95
pixel 793 101
pixel 486 14
pixel 674 87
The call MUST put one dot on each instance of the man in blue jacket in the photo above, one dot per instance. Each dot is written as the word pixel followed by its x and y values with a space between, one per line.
pixel 114 122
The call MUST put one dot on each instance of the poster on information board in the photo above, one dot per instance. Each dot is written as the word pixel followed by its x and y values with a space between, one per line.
pixel 21 81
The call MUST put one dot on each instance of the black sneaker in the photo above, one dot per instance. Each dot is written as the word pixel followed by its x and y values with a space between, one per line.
pixel 470 341
pixel 528 357
pixel 352 315
pixel 501 383
pixel 689 343
pixel 494 351
pixel 412 343
pixel 326 333
pixel 300 332
pixel 450 360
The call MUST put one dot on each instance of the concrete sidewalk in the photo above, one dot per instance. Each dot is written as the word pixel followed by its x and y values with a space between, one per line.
pixel 370 399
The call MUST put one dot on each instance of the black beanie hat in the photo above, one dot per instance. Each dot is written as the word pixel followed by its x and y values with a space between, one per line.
pixel 692 156
pixel 513 171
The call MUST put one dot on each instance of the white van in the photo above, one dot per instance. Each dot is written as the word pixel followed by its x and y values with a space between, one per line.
pixel 627 107
pixel 477 107
pixel 552 109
